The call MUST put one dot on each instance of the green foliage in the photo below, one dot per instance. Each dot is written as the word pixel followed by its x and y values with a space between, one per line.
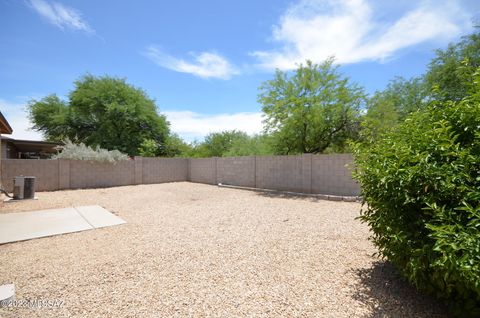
pixel 406 96
pixel 230 144
pixel 82 152
pixel 176 147
pixel 218 144
pixel 148 148
pixel 102 111
pixel 421 183
pixel 311 110
pixel 49 116
pixel 256 145
pixel 387 108
pixel 450 71
pixel 381 116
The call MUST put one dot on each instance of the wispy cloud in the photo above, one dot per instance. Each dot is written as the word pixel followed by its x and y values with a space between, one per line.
pixel 16 115
pixel 204 64
pixel 348 30
pixel 191 125
pixel 60 15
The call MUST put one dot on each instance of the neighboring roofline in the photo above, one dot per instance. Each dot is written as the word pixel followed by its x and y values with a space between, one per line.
pixel 20 141
pixel 5 126
pixel 13 140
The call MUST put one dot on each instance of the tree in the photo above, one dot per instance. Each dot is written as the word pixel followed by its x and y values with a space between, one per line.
pixel 218 144
pixel 148 148
pixel 387 108
pixel 381 116
pixel 176 147
pixel 102 111
pixel 406 96
pixel 255 145
pixel 49 115
pixel 449 72
pixel 313 109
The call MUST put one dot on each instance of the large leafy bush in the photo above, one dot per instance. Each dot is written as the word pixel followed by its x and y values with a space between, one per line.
pixel 421 186
pixel 82 152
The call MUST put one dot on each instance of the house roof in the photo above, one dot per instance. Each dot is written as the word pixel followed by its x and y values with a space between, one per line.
pixel 33 145
pixel 4 125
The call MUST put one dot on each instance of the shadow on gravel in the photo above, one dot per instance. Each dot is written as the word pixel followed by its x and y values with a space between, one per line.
pixel 388 295
pixel 283 195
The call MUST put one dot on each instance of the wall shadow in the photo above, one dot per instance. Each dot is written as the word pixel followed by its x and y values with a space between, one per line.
pixel 383 290
pixel 287 195
pixel 295 196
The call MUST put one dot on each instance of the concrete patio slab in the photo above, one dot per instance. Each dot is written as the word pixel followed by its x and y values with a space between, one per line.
pixel 29 225
pixel 98 216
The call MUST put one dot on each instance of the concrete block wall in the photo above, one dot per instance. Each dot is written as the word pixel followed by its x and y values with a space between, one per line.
pixel 154 169
pixel 239 171
pixel 332 174
pixel 63 174
pixel 76 174
pixel 45 171
pixel 318 174
pixel 203 170
pixel 87 174
pixel 285 173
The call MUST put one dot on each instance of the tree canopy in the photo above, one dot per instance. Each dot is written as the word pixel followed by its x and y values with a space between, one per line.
pixel 311 110
pixel 451 70
pixel 105 112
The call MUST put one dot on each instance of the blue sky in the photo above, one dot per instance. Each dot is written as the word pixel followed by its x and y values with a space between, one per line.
pixel 202 61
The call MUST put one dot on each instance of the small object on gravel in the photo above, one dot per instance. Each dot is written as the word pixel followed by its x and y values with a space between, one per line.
pixel 7 292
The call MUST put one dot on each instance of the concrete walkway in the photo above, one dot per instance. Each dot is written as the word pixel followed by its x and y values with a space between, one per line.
pixel 29 225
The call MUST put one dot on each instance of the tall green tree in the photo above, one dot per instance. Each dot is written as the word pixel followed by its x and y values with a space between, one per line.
pixel 176 146
pixel 254 145
pixel 387 108
pixel 219 144
pixel 102 111
pixel 406 96
pixel 49 115
pixel 452 69
pixel 381 117
pixel 312 109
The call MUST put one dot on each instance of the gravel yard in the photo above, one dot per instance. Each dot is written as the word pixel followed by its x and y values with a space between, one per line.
pixel 198 250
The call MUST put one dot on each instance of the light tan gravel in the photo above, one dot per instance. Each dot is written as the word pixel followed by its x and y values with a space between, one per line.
pixel 202 251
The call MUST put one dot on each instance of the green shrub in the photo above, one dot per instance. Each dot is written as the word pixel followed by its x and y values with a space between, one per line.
pixel 421 186
pixel 82 152
pixel 148 148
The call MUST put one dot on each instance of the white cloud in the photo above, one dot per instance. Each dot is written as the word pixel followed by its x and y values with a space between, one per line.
pixel 204 64
pixel 191 125
pixel 60 15
pixel 17 117
pixel 347 29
